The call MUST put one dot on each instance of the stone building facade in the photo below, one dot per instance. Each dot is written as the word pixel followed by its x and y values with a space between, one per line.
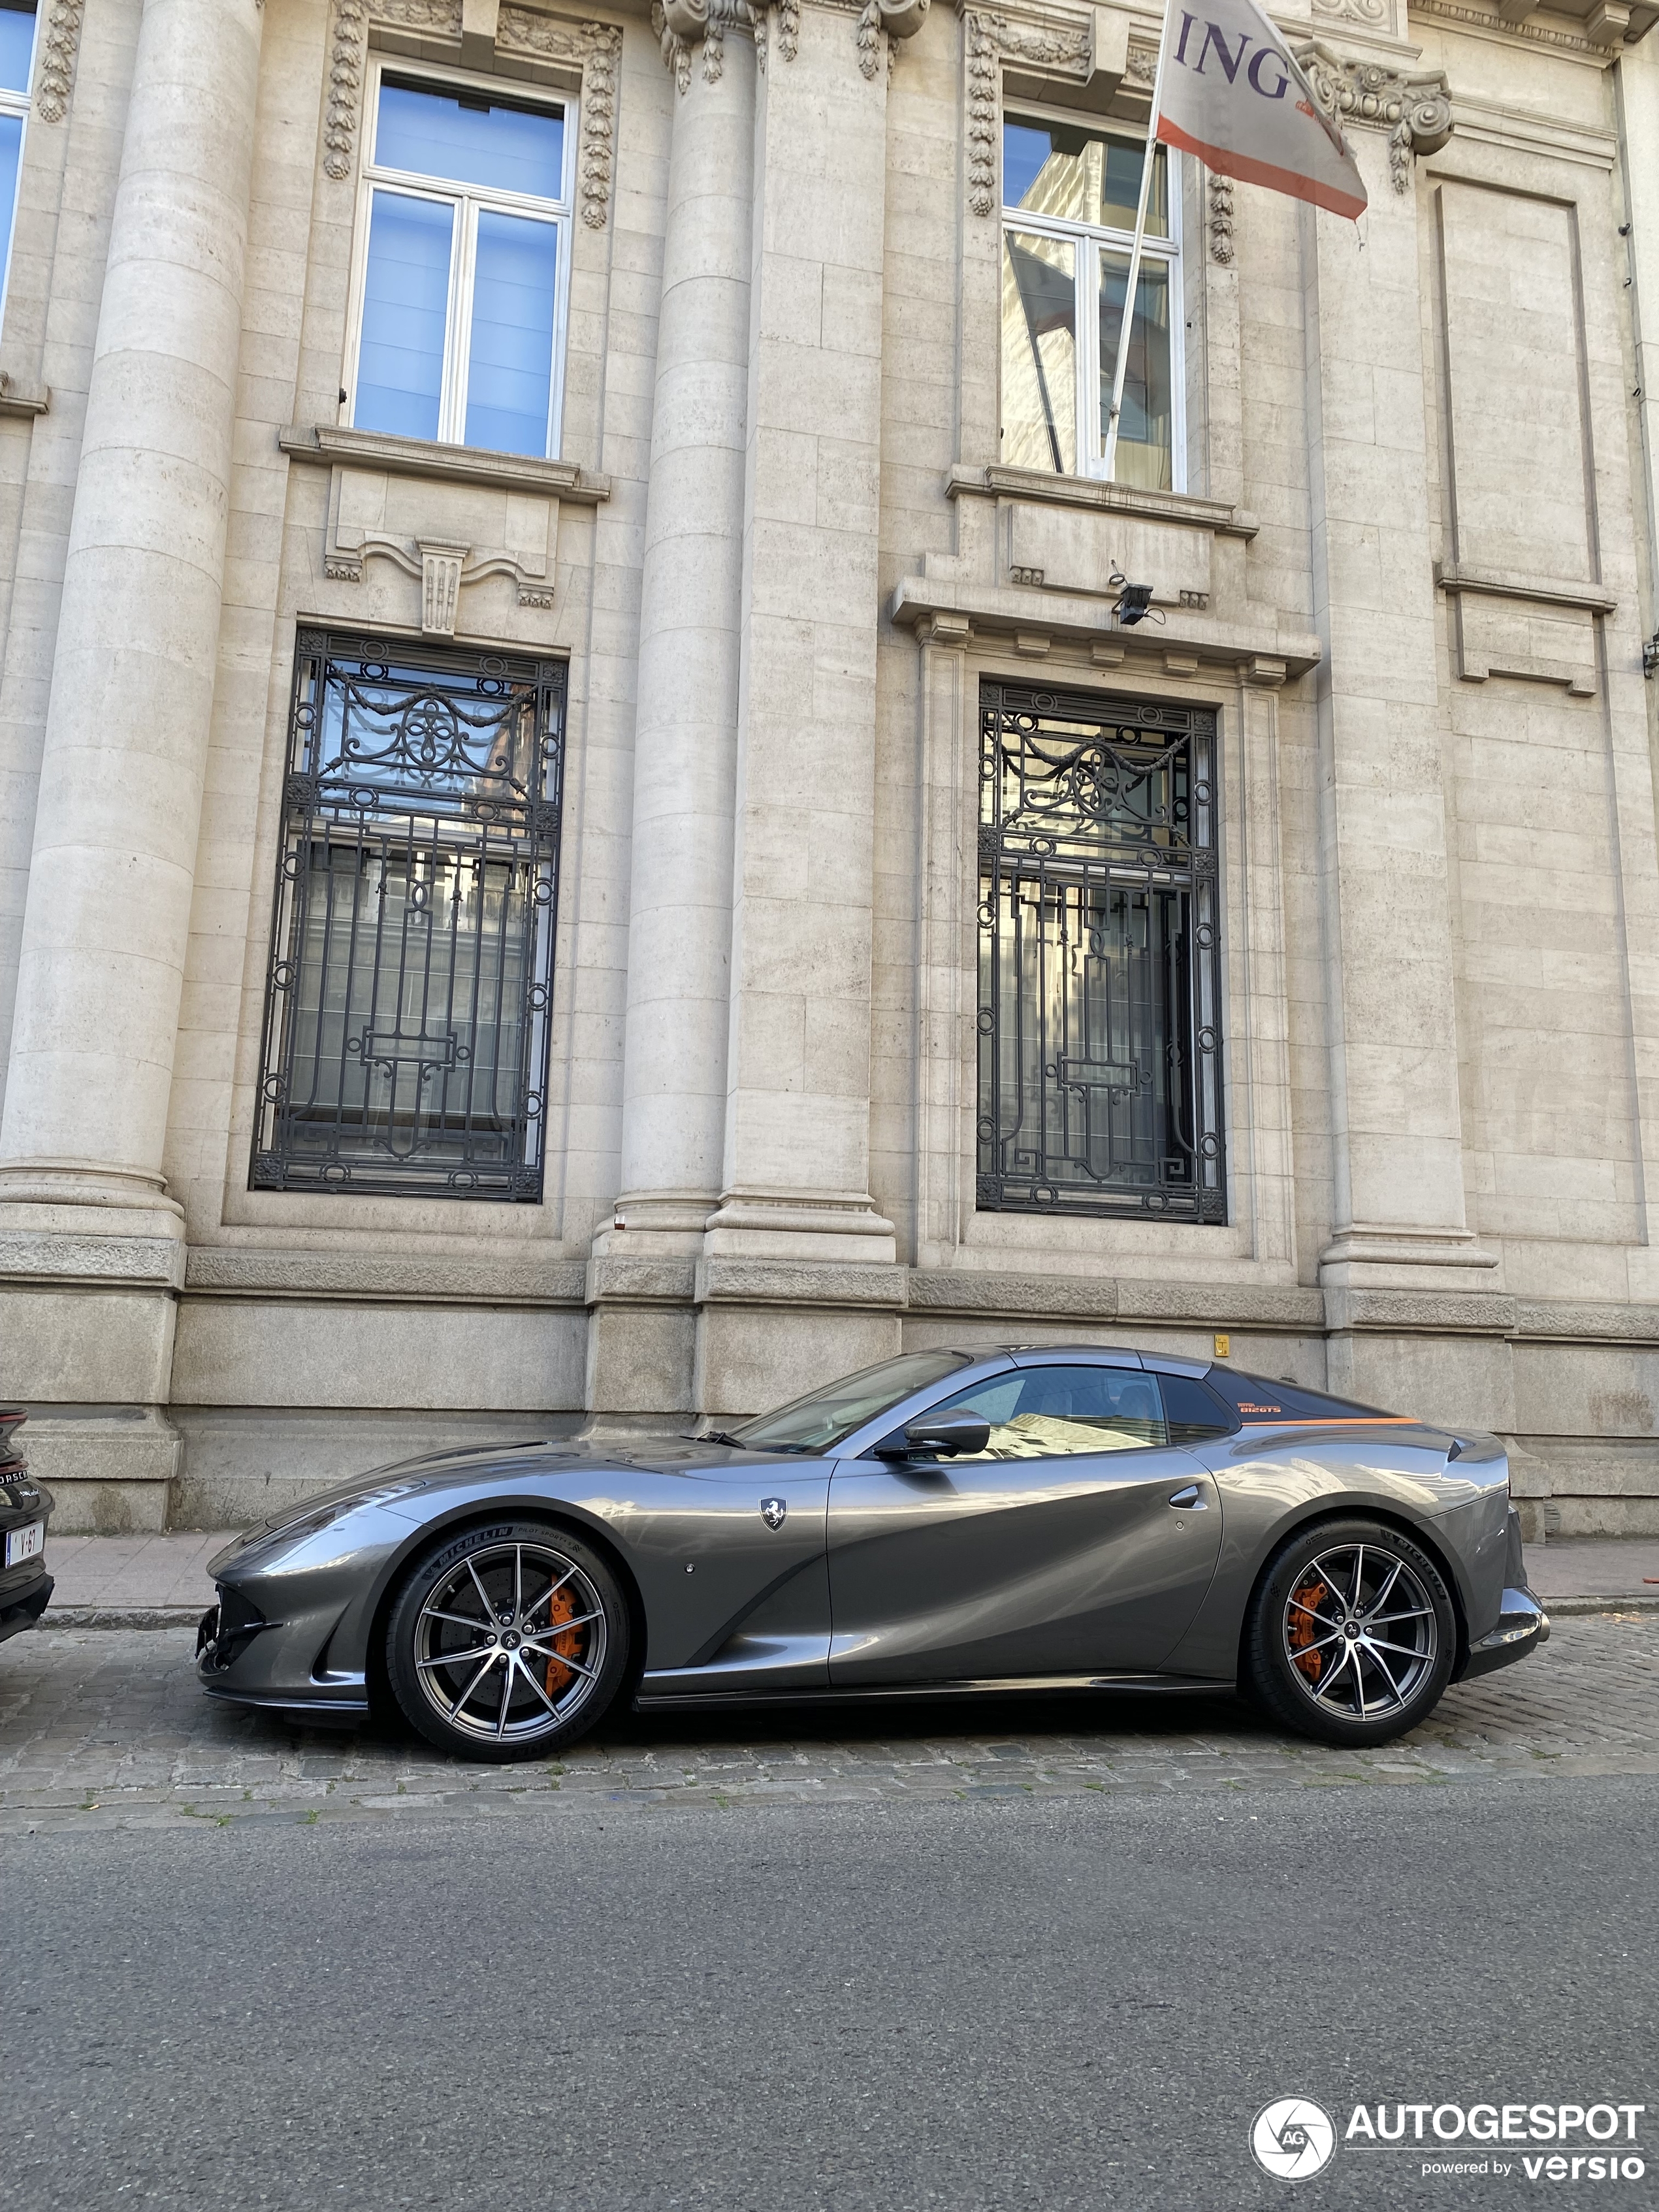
pixel 585 841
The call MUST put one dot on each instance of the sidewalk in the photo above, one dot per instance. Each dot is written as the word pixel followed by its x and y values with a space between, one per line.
pixel 161 1582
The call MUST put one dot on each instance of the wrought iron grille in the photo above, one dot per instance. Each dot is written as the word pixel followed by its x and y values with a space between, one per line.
pixel 406 1005
pixel 1100 1069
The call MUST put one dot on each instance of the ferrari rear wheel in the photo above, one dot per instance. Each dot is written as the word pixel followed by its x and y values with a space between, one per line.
pixel 508 1642
pixel 1352 1635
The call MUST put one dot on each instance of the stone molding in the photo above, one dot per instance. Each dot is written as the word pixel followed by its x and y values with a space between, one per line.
pixel 60 43
pixel 23 400
pixel 1415 111
pixel 613 1280
pixel 1512 584
pixel 592 48
pixel 798 1282
pixel 1180 507
pixel 139 1262
pixel 325 446
pixel 238 1272
pixel 1461 1313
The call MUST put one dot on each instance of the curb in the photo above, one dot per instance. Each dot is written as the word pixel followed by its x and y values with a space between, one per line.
pixel 1628 1602
pixel 121 1616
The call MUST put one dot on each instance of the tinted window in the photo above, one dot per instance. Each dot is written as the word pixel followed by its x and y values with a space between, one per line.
pixel 1194 1415
pixel 1257 1399
pixel 1052 1412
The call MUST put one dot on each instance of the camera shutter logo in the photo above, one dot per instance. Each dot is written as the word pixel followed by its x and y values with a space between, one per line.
pixel 1293 2138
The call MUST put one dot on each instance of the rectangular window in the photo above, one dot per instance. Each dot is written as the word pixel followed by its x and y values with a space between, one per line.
pixel 1069 199
pixel 411 957
pixel 1100 1071
pixel 17 20
pixel 465 225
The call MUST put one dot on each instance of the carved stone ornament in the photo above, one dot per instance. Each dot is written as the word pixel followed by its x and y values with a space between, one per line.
pixel 1219 191
pixel 681 25
pixel 1372 12
pixel 593 48
pixel 1065 48
pixel 1415 111
pixel 60 41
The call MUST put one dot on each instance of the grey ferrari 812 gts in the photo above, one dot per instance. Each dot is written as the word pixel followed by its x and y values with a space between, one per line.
pixel 947 1524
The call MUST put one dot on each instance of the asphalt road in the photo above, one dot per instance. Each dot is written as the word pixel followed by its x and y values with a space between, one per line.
pixel 1064 2002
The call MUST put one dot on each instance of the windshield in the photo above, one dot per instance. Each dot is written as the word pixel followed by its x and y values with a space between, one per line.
pixel 818 1421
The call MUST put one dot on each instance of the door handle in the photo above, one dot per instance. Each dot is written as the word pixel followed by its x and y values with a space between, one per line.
pixel 1192 1498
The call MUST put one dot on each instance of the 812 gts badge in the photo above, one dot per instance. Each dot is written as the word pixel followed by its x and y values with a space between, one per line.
pixel 774 1511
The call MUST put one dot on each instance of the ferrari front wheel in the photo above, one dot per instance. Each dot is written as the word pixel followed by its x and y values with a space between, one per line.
pixel 1352 1635
pixel 508 1642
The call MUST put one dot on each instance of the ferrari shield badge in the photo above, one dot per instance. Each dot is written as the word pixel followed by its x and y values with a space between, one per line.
pixel 773 1511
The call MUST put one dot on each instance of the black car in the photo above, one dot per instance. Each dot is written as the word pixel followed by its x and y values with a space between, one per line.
pixel 25 1510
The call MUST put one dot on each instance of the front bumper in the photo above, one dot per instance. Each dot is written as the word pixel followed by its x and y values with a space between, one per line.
pixel 1523 1625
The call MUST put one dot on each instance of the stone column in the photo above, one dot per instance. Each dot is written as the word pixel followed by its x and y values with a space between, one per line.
pixel 797 1281
pixel 640 1343
pixel 1400 1237
pixel 82 1200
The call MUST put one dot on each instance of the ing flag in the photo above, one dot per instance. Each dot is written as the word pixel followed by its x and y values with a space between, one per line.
pixel 1230 93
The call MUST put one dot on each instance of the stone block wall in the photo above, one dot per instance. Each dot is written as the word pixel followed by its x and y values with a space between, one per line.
pixel 1409 567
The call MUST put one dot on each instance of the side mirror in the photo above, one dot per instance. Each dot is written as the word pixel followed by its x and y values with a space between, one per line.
pixel 937 1432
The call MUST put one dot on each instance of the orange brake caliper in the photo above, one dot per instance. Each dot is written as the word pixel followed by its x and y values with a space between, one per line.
pixel 560 1606
pixel 1302 1625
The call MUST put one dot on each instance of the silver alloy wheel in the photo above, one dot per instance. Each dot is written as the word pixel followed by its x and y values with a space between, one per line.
pixel 510 1643
pixel 1359 1631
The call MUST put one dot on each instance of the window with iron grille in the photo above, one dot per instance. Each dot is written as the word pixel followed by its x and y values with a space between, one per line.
pixel 1100 1076
pixel 411 963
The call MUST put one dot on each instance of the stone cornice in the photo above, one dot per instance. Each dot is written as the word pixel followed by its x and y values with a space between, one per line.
pixel 998 482
pixel 1507 583
pixel 326 445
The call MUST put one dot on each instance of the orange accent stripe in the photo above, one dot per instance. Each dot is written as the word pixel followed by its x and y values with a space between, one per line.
pixel 1229 164
pixel 1340 1421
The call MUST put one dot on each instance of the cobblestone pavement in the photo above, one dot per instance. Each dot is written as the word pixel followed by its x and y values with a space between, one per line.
pixel 107 1728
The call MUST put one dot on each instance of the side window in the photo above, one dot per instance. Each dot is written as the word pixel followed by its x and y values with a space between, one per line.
pixel 1053 1412
pixel 16 65
pixel 1195 1415
pixel 1259 1401
pixel 466 220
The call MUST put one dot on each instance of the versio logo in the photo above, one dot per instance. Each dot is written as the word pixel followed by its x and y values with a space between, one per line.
pixel 1293 2138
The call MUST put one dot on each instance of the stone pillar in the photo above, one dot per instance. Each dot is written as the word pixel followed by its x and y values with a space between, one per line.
pixel 641 1336
pixel 90 1245
pixel 1400 1237
pixel 797 1281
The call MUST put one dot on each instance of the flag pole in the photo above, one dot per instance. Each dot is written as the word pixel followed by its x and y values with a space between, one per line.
pixel 1133 286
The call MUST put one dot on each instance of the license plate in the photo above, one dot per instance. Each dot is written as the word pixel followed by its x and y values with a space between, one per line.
pixel 25 1543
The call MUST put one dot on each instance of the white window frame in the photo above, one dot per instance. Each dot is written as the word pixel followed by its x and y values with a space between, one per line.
pixel 468 200
pixel 1087 241
pixel 18 104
